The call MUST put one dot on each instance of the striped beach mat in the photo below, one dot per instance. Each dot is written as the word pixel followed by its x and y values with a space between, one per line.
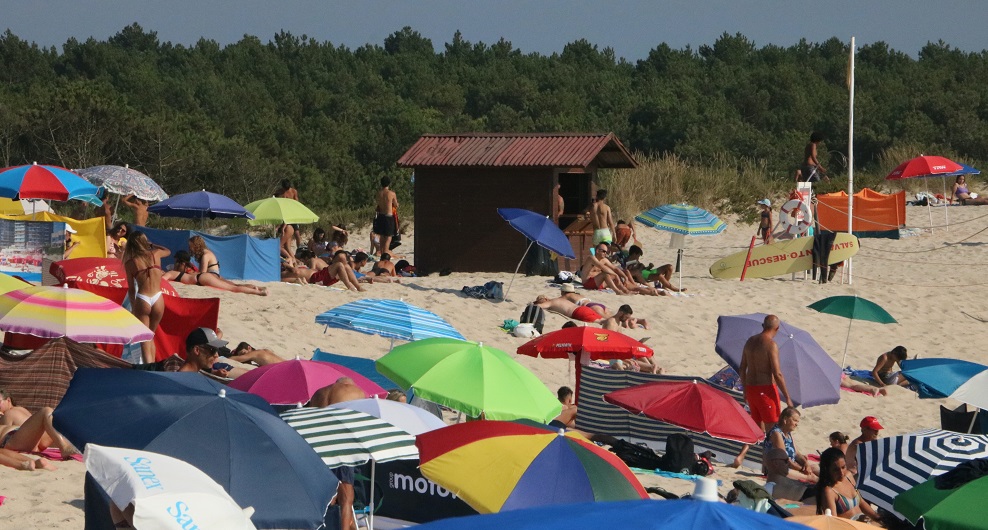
pixel 890 466
pixel 344 437
pixel 597 416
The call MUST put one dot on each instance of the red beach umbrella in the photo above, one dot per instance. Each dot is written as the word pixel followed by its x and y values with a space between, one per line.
pixel 693 405
pixel 924 166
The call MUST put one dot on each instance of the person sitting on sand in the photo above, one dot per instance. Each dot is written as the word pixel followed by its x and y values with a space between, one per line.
pixel 964 196
pixel 384 267
pixel 839 440
pixel 883 374
pixel 568 309
pixel 623 319
pixel 205 257
pixel 568 292
pixel 185 273
pixel 778 482
pixel 598 272
pixel 662 278
pixel 780 437
pixel 339 271
pixel 30 433
pixel 202 349
pixel 568 416
pixel 836 492
pixel 247 354
pixel 869 433
pixel 359 260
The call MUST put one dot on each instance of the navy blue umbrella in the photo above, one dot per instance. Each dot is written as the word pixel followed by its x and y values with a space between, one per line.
pixel 200 205
pixel 234 437
pixel 541 230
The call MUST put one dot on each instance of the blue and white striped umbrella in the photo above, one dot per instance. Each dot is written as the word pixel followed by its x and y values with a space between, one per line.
pixel 964 381
pixel 890 466
pixel 682 219
pixel 393 319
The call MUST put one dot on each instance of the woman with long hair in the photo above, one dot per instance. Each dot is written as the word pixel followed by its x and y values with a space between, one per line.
pixel 184 273
pixel 142 261
pixel 836 492
pixel 207 260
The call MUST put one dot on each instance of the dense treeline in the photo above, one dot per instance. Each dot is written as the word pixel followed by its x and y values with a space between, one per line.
pixel 236 119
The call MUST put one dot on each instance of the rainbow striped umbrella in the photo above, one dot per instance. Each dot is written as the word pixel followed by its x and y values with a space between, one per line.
pixel 498 466
pixel 682 219
pixel 52 312
pixel 43 182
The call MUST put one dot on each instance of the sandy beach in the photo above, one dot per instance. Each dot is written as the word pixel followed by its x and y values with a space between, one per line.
pixel 933 294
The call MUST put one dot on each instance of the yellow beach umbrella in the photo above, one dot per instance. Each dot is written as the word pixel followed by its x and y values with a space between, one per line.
pixel 9 283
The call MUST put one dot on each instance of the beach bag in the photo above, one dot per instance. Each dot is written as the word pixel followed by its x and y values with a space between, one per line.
pixel 680 454
pixel 636 455
pixel 534 315
pixel 525 331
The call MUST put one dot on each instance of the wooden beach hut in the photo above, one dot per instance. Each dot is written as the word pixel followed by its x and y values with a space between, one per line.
pixel 462 179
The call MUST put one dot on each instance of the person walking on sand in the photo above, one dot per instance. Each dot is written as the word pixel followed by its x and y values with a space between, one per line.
pixel 384 220
pixel 603 221
pixel 762 379
pixel 812 170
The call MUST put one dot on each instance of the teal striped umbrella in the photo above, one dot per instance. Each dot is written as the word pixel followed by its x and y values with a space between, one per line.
pixel 393 319
pixel 344 437
pixel 682 219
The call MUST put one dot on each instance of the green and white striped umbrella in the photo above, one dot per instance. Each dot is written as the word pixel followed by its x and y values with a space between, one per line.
pixel 344 437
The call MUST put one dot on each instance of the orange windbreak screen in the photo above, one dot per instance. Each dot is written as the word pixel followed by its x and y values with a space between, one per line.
pixel 873 211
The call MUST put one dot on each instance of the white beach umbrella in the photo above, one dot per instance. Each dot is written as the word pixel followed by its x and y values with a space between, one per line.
pixel 409 418
pixel 167 493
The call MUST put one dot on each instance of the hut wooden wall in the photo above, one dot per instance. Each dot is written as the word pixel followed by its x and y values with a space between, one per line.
pixel 456 221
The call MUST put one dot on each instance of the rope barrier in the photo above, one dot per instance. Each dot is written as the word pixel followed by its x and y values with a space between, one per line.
pixel 855 217
pixel 857 276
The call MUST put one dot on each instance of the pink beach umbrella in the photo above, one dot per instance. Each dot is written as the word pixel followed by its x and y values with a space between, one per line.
pixel 295 381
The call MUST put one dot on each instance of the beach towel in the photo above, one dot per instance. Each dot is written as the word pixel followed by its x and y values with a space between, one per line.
pixel 490 291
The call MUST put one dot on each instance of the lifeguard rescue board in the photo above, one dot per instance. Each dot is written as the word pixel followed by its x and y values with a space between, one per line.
pixel 784 257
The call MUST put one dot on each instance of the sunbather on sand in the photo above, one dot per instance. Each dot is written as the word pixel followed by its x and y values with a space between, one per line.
pixel 184 273
pixel 21 462
pixel 247 354
pixel 599 272
pixel 851 384
pixel 25 432
pixel 568 292
pixel 623 319
pixel 568 309
pixel 359 260
pixel 638 364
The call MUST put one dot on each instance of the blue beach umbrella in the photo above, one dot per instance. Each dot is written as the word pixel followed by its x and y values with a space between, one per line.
pixel 643 514
pixel 964 381
pixel 539 229
pixel 683 219
pixel 43 182
pixel 393 319
pixel 234 437
pixel 200 205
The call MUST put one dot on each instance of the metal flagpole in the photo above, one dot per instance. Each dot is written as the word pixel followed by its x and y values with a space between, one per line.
pixel 850 158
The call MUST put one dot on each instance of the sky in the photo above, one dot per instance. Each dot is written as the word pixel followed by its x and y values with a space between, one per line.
pixel 630 27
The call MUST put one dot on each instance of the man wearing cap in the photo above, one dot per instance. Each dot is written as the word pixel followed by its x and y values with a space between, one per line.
pixel 202 348
pixel 869 432
pixel 765 223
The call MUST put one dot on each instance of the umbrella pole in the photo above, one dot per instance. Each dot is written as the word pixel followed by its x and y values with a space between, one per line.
pixel 970 428
pixel 679 261
pixel 946 203
pixel 370 519
pixel 929 204
pixel 518 268
pixel 846 340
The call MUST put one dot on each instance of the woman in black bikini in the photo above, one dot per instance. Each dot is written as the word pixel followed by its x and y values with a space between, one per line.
pixel 207 260
pixel 142 261
pixel 184 273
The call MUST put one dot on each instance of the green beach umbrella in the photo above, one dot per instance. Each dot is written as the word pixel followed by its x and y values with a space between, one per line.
pixel 960 508
pixel 470 377
pixel 852 308
pixel 277 210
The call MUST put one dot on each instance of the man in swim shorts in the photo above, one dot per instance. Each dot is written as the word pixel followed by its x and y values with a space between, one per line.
pixel 567 308
pixel 384 222
pixel 603 221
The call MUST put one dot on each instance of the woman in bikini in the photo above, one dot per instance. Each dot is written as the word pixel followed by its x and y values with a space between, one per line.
pixel 184 273
pixel 963 195
pixel 207 260
pixel 142 261
pixel 836 492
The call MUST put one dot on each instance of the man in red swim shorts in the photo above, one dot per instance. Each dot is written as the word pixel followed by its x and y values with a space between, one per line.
pixel 762 378
pixel 567 308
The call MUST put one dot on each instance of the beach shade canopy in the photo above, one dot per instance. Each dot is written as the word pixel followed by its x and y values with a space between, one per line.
pixel 278 210
pixel 852 308
pixel 598 343
pixel 393 319
pixel 22 206
pixel 43 182
pixel 470 377
pixel 682 219
pixel 498 466
pixel 964 170
pixel 539 229
pixel 108 272
pixel 234 437
pixel 812 377
pixel 924 166
pixel 51 311
pixel 964 381
pixel 295 381
pixel 829 522
pixel 409 418
pixel 949 502
pixel 889 466
pixel 156 484
pixel 200 205
pixel 693 405
pixel 124 181
pixel 639 514
pixel 9 283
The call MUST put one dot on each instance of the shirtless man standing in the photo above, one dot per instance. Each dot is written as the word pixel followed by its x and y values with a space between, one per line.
pixel 560 204
pixel 139 207
pixel 762 378
pixel 603 221
pixel 599 272
pixel 384 221
pixel 567 308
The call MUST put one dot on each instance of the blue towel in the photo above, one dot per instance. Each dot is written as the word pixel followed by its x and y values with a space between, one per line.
pixel 670 474
pixel 860 374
